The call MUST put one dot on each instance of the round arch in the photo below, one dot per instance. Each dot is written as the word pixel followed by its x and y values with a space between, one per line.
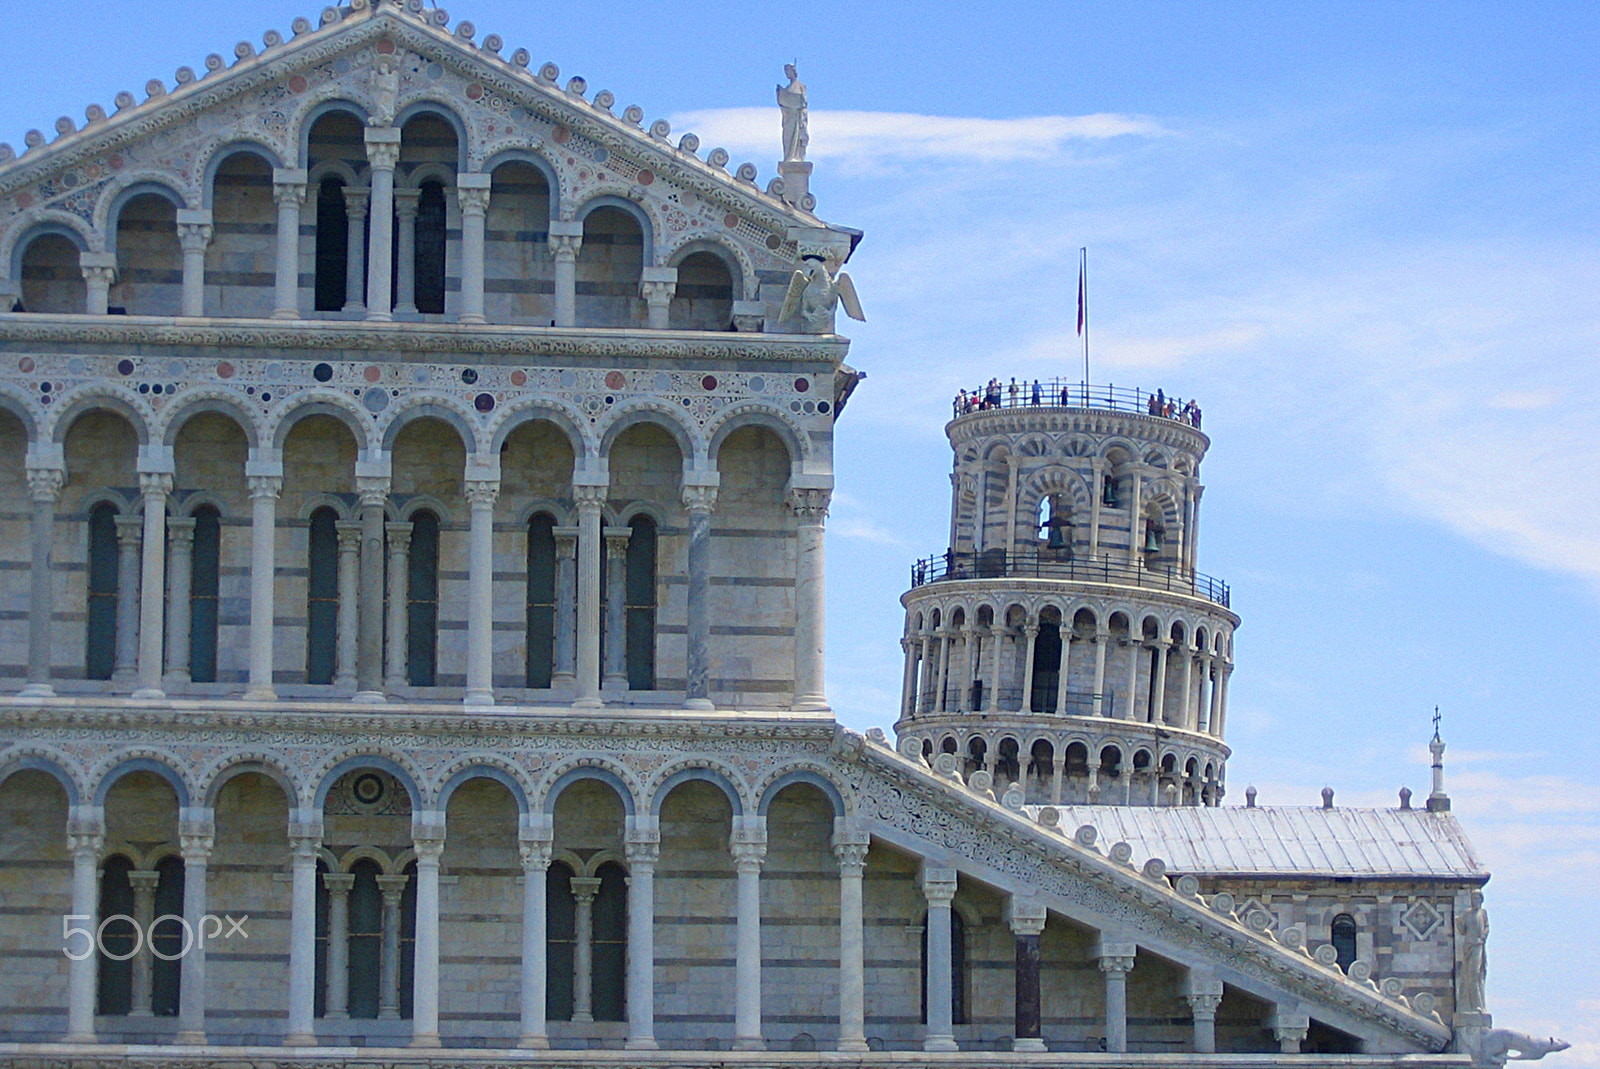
pixel 35 760
pixel 533 159
pixel 106 396
pixel 46 223
pixel 334 169
pixel 557 413
pixel 703 773
pixel 740 273
pixel 756 414
pixel 166 769
pixel 238 765
pixel 226 151
pixel 663 415
pixel 19 404
pixel 481 769
pixel 320 403
pixel 368 760
pixel 628 207
pixel 108 212
pixel 810 776
pixel 594 772
pixel 192 403
pixel 423 105
pixel 432 406
pixel 315 110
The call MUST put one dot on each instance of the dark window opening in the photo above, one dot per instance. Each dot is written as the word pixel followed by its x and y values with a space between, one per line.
pixel 541 605
pixel 561 933
pixel 205 570
pixel 430 248
pixel 408 938
pixel 167 938
pixel 422 601
pixel 319 995
pixel 333 246
pixel 610 962
pixel 1343 938
pixel 958 968
pixel 1046 668
pixel 114 987
pixel 322 596
pixel 100 654
pixel 641 604
pixel 365 940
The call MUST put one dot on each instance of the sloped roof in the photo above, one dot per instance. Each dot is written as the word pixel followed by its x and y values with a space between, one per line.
pixel 1286 840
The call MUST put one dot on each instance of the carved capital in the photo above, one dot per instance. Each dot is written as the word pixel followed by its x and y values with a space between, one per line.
pixel 1116 964
pixel 564 247
pixel 289 194
pixel 405 202
pixel 44 484
pixel 195 839
pixel 180 531
pixel 428 850
pixel 584 888
pixel 392 887
pixel 699 498
pixel 1203 1006
pixel 85 842
pixel 852 857
pixel 130 530
pixel 194 237
pixel 99 275
pixel 535 854
pixel 473 201
pixel 383 155
pixel 590 499
pixel 355 202
pixel 749 849
pixel 657 292
pixel 373 489
pixel 349 535
pixel 809 505
pixel 617 542
pixel 339 884
pixel 155 484
pixel 482 493
pixel 642 847
pixel 265 485
pixel 399 538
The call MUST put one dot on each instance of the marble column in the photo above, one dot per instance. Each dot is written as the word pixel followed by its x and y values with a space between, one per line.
pixel 263 560
pixel 144 914
pixel 129 528
pixel 590 501
pixel 929 678
pixel 355 261
pixel 44 489
pixel 180 570
pixel 1289 1025
pixel 1058 771
pixel 657 286
pixel 810 508
pixel 908 677
pixel 383 153
pixel 428 842
pixel 1032 631
pixel 566 238
pixel 616 627
pixel 584 889
pixel 941 687
pixel 196 829
pixel 1185 718
pixel 1064 676
pixel 643 848
pixel 472 191
pixel 699 500
pixel 1027 919
pixel 1101 639
pixel 85 836
pixel 374 491
pixel 972 640
pixel 565 670
pixel 1116 961
pixel 1130 708
pixel 1204 695
pixel 1158 687
pixel 336 1003
pixel 1196 491
pixel 194 237
pixel 481 496
pixel 1135 552
pixel 305 840
pixel 154 486
pixel 349 575
pixel 850 847
pixel 399 616
pixel 289 193
pixel 405 243
pixel 392 887
pixel 939 890
pixel 748 846
pixel 1097 492
pixel 997 641
pixel 99 274
pixel 1219 714
pixel 1203 992
pixel 535 853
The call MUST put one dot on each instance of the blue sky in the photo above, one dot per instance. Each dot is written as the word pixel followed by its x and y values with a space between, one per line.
pixel 1363 235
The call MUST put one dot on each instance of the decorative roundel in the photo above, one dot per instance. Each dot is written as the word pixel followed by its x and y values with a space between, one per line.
pixel 822 406
pixel 372 373
pixel 474 91
pixel 646 177
pixel 802 385
pixel 562 135
pixel 25 365
pixel 469 376
pixel 297 83
pixel 709 382
pixel 519 378
pixel 322 372
pixel 615 380
pixel 367 788
pixel 730 220
pixel 124 367
pixel 774 242
pixel 484 402
pixel 375 400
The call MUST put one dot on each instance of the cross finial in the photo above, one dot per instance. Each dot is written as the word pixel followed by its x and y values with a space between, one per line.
pixel 1436 721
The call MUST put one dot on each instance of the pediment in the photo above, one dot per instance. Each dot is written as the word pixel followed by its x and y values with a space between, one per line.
pixel 500 108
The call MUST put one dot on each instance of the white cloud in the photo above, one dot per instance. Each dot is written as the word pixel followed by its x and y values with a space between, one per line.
pixel 880 136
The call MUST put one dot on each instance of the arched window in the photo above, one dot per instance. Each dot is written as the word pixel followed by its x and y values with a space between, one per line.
pixel 1343 938
pixel 366 939
pixel 100 653
pixel 167 938
pixel 541 625
pixel 1046 667
pixel 114 994
pixel 641 604
pixel 408 938
pixel 1108 491
pixel 610 942
pixel 319 997
pixel 561 932
pixel 422 601
pixel 958 968
pixel 430 248
pixel 322 596
pixel 333 246
pixel 205 568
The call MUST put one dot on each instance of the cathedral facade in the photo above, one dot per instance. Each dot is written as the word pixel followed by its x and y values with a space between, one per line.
pixel 415 476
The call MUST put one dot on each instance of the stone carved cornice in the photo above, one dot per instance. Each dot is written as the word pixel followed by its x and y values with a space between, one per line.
pixel 405 338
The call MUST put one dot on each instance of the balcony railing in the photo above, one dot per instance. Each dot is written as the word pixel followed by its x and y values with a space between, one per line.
pixel 997 564
pixel 1060 393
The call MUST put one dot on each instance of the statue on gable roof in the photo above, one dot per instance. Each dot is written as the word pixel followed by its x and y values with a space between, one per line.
pixel 792 100
pixel 385 91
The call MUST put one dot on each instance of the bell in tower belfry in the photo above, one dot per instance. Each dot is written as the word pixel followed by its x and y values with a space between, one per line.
pixel 1066 642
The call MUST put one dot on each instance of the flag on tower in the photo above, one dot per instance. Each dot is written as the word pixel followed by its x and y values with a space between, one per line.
pixel 1082 296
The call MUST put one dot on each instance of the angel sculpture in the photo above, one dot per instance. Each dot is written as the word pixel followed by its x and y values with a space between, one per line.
pixel 814 291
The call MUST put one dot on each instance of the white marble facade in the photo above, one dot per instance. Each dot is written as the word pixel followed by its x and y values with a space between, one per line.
pixel 411 538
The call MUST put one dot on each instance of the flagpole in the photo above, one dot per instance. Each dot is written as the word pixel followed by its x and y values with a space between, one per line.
pixel 1083 311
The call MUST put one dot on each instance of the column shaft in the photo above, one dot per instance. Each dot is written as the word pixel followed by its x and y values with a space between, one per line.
pixel 472 190
pixel 535 877
pixel 196 837
pixel 128 609
pixel 1064 676
pixel 425 959
pixel 336 1004
pixel 355 264
pixel 565 670
pixel 263 553
pixel 405 250
pixel 481 494
pixel 584 888
pixel 349 620
pixel 749 847
pixel 84 839
pixel 144 914
pixel 699 500
pixel 153 582
pixel 383 152
pixel 616 629
pixel 642 856
pixel 369 632
pixel 1158 685
pixel 810 507
pixel 851 849
pixel 1027 1031
pixel 1186 716
pixel 194 236
pixel 1096 493
pixel 305 838
pixel 1100 640
pixel 1116 959
pixel 289 191
pixel 1032 631
pixel 1130 708
pixel 939 888
pixel 997 636
pixel 44 487
pixel 180 550
pixel 942 687
pixel 389 954
pixel 590 500
pixel 566 238
pixel 399 616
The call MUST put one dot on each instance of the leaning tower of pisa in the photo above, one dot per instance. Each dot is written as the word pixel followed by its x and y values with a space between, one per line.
pixel 1065 642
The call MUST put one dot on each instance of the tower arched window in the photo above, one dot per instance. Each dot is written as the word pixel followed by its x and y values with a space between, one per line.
pixel 1343 938
pixel 100 653
pixel 541 618
pixel 641 604
pixel 205 565
pixel 333 246
pixel 422 601
pixel 958 968
pixel 322 595
pixel 430 248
